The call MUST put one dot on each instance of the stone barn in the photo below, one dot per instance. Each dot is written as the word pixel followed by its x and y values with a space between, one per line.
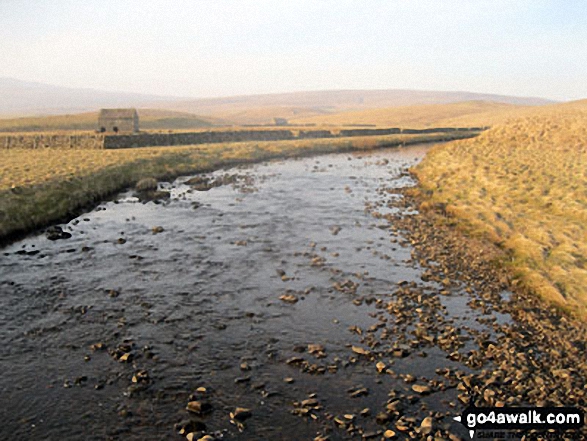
pixel 118 120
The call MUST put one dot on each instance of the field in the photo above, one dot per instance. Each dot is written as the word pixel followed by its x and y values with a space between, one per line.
pixel 463 114
pixel 523 186
pixel 38 187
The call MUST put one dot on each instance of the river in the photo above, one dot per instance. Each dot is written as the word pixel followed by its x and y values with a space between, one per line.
pixel 285 291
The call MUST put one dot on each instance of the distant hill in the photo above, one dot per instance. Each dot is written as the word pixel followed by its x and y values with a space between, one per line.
pixel 22 98
pixel 150 119
pixel 472 113
pixel 261 109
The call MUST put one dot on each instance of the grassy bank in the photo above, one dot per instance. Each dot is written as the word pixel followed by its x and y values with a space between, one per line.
pixel 40 187
pixel 523 186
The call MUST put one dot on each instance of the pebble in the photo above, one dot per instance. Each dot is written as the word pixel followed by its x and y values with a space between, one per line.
pixel 421 389
pixel 199 407
pixel 288 298
pixel 360 351
pixel 426 426
pixel 241 414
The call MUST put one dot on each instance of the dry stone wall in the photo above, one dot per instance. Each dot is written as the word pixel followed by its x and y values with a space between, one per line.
pixel 121 141
pixel 41 141
pixel 167 139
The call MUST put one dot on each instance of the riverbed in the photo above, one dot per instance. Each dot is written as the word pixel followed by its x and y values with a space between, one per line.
pixel 284 290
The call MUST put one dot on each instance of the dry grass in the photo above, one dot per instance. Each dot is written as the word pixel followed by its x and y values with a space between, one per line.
pixel 464 114
pixel 25 167
pixel 524 185
pixel 264 115
pixel 38 187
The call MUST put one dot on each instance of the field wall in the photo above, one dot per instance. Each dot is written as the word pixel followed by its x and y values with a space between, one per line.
pixel 42 141
pixel 121 141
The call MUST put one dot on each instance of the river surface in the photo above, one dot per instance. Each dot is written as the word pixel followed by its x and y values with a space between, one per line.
pixel 262 293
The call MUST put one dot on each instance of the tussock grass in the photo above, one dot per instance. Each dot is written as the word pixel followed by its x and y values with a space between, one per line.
pixel 38 187
pixel 524 186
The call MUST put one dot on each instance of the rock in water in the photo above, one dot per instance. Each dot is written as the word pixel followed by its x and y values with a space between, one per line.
pixel 359 350
pixel 288 298
pixel 426 426
pixel 241 414
pixel 56 233
pixel 199 407
pixel 421 389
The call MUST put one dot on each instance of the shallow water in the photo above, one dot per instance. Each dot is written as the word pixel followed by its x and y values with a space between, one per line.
pixel 202 297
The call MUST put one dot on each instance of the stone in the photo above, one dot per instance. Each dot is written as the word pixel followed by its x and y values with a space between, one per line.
pixel 426 425
pixel 288 298
pixel 382 418
pixel 409 378
pixel 359 392
pixel 56 233
pixel 310 402
pixel 199 407
pixel 126 357
pixel 188 426
pixel 241 414
pixel 372 434
pixel 141 376
pixel 359 350
pixel 113 293
pixel 98 347
pixel 421 389
pixel 315 348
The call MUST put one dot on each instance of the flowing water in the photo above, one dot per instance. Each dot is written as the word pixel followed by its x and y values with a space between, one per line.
pixel 196 304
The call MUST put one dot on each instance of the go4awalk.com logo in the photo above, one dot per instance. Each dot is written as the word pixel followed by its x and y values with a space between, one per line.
pixel 520 418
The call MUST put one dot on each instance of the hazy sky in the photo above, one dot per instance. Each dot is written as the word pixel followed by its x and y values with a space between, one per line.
pixel 205 48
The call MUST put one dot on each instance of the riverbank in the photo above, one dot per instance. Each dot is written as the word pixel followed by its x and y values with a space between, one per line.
pixel 38 188
pixel 537 358
pixel 522 186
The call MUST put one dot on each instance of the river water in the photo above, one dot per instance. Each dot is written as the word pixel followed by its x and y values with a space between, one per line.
pixel 110 333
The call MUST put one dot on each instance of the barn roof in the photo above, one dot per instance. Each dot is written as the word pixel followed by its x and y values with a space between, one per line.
pixel 118 113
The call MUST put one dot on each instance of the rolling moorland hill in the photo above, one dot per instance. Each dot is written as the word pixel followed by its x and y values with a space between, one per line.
pixel 21 98
pixel 468 113
pixel 261 109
